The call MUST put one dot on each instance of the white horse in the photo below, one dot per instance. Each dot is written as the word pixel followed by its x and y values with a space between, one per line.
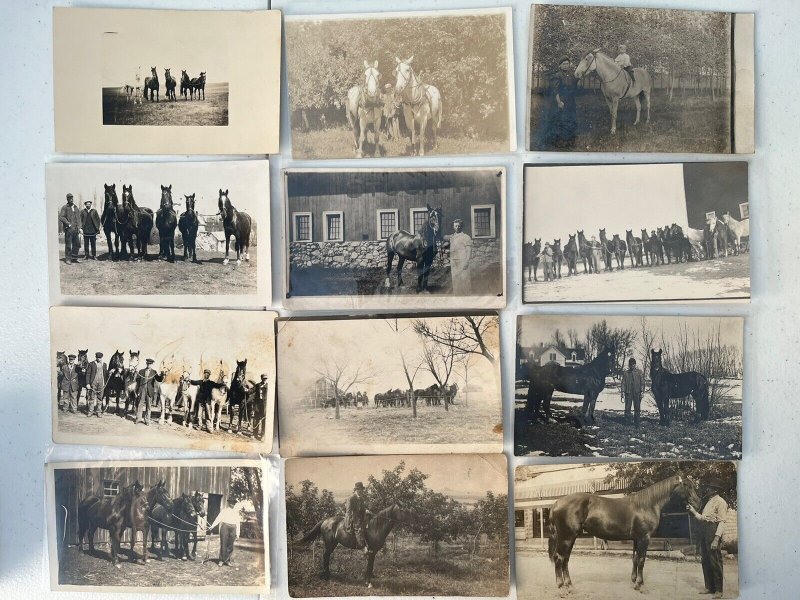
pixel 421 103
pixel 219 398
pixel 364 105
pixel 739 229
pixel 697 238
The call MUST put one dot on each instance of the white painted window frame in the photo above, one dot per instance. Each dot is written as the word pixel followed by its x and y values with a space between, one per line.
pixel 492 219
pixel 310 227
pixel 378 213
pixel 325 215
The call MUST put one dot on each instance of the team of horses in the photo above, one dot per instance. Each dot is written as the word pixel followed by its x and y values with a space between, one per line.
pixel 152 86
pixel 664 245
pixel 128 226
pixel 433 395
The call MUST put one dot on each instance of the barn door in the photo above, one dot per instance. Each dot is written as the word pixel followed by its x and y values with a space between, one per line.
pixel 214 506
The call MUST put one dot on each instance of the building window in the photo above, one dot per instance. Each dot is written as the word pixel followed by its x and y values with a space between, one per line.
pixel 744 210
pixel 302 227
pixel 334 226
pixel 110 488
pixel 574 357
pixel 418 218
pixel 519 518
pixel 387 223
pixel 552 356
pixel 483 221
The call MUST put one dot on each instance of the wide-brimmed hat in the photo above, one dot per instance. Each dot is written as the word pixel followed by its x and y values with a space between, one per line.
pixel 98 355
pixel 358 486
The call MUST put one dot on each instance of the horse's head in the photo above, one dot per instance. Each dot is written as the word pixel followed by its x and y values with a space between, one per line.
pixel 198 502
pixel 557 243
pixel 615 238
pixel 644 233
pixel 400 514
pixel 225 206
pixel 188 506
pixel 202 75
pixel 372 78
pixel 435 220
pixel 404 73
pixel 83 357
pixel 127 195
pixel 166 196
pixel 686 491
pixel 153 71
pixel 166 73
pixel 189 202
pixel 110 194
pixel 571 238
pixel 602 233
pixel 136 488
pixel 159 494
pixel 133 358
pixel 655 361
pixel 587 65
pixel 241 369
pixel 184 75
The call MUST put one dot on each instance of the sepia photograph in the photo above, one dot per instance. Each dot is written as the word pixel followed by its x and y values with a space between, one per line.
pixel 393 385
pixel 176 378
pixel 636 233
pixel 186 234
pixel 132 81
pixel 398 526
pixel 396 238
pixel 612 79
pixel 629 387
pixel 401 84
pixel 191 526
pixel 575 520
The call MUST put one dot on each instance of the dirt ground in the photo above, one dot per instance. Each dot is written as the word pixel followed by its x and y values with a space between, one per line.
pixel 117 110
pixel 607 577
pixel 709 279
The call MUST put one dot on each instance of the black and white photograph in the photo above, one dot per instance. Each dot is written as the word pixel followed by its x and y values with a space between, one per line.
pixel 636 233
pixel 401 83
pixel 574 520
pixel 398 526
pixel 133 81
pixel 177 378
pixel 191 526
pixel 185 234
pixel 404 238
pixel 612 79
pixel 390 385
pixel 629 386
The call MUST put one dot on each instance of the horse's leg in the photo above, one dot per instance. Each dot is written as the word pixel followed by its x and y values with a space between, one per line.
pixel 642 555
pixel 635 560
pixel 423 123
pixel 362 133
pixel 565 567
pixel 647 101
pixel 638 104
pixel 613 106
pixel 227 248
pixel 326 560
pixel 400 261
pixel 370 565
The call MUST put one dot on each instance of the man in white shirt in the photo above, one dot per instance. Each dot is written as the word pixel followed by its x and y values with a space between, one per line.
pixel 460 257
pixel 230 522
pixel 713 518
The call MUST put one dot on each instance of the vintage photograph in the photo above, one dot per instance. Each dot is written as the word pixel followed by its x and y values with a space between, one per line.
pixel 398 526
pixel 401 84
pixel 610 79
pixel 651 232
pixel 392 385
pixel 575 520
pixel 166 81
pixel 177 378
pixel 629 386
pixel 405 238
pixel 196 526
pixel 190 234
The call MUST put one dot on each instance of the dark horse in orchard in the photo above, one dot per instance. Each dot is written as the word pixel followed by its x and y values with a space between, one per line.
pixel 188 225
pixel 377 529
pixel 166 222
pixel 633 517
pixel 666 385
pixel 586 380
pixel 237 224
pixel 419 247
pixel 108 220
pixel 133 223
pixel 530 257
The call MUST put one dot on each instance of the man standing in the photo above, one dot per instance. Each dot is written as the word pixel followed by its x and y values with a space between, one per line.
pixel 203 397
pixel 460 257
pixel 96 378
pixel 69 218
pixel 355 512
pixel 146 390
pixel 230 522
pixel 624 61
pixel 260 408
pixel 632 385
pixel 563 110
pixel 90 224
pixel 713 519
pixel 546 257
pixel 69 384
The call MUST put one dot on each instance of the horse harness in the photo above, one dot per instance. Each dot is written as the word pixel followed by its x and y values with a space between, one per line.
pixel 621 70
pixel 423 97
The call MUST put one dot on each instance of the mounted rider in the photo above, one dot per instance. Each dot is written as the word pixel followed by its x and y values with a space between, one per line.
pixel 355 515
pixel 624 61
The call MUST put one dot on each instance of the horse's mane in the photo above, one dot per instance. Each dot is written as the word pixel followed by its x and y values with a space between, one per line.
pixel 660 490
pixel 383 516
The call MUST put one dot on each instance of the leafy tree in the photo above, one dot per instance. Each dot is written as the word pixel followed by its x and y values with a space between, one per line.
pixel 246 485
pixel 306 507
pixel 395 485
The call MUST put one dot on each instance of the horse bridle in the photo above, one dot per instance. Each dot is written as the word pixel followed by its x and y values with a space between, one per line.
pixel 370 75
pixel 594 62
pixel 406 81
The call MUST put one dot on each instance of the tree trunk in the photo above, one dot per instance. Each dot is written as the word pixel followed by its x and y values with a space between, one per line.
pixel 336 401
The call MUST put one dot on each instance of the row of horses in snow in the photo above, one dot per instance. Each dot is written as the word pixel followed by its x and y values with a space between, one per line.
pixel 189 86
pixel 719 237
pixel 127 226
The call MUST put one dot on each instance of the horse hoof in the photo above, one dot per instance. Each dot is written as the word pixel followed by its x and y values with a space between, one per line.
pixel 225 262
pixel 369 586
pixel 183 558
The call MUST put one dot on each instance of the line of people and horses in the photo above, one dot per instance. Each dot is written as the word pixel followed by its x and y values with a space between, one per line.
pixel 139 392
pixel 127 226
pixel 434 395
pixel 150 91
pixel 664 245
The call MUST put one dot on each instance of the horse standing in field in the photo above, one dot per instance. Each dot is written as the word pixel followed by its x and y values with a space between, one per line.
pixel 620 248
pixel 586 249
pixel 649 247
pixel 188 225
pixel 151 85
pixel 666 385
pixel 237 224
pixel 115 386
pixel 186 84
pixel 364 106
pixel 571 255
pixel 635 247
pixel 608 251
pixel 170 84
pixel 198 84
pixel 632 517
pixel 682 245
pixel 112 514
pixel 136 223
pixel 739 230
pixel 108 220
pixel 421 103
pixel 616 83
pixel 237 395
pixel 419 247
pixel 166 222
pixel 530 257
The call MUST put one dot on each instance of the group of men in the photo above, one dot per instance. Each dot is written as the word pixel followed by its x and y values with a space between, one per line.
pixel 77 222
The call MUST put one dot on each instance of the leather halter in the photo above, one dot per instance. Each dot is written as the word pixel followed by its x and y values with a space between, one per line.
pixel 621 70
pixel 414 87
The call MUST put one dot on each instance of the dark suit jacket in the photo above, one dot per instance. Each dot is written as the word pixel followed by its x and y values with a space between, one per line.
pixel 146 381
pixel 90 222
pixel 91 372
pixel 204 388
pixel 69 378
pixel 69 217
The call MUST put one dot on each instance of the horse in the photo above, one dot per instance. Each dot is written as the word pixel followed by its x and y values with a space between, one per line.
pixel 181 517
pixel 696 239
pixel 608 251
pixel 586 249
pixel 130 381
pixel 419 247
pixel 219 397
pixel 108 220
pixel 649 245
pixel 186 84
pixel 185 397
pixel 558 258
pixel 151 85
pixel 198 84
pixel 170 84
pixel 115 386
pixel 112 514
pixel 81 366
pixel 188 225
pixel 364 106
pixel 633 517
pixel 636 248
pixel 134 222
pixel 681 244
pixel 377 529
pixel 166 222
pixel 198 502
pixel 586 380
pixel 237 395
pixel 620 248
pixel 237 224
pixel 421 103
pixel 127 89
pixel 616 83
pixel 666 385
pixel 739 230
pixel 571 255
pixel 530 257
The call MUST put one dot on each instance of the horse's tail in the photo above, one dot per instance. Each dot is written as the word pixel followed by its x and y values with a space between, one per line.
pixel 552 534
pixel 311 535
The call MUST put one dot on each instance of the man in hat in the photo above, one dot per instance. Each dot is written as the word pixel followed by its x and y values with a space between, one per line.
pixel 146 390
pixel 391 112
pixel 203 397
pixel 460 257
pixel 713 517
pixel 96 378
pixel 260 407
pixel 230 522
pixel 563 121
pixel 596 255
pixel 546 258
pixel 624 61
pixel 69 217
pixel 631 389
pixel 355 513
pixel 70 387
pixel 90 225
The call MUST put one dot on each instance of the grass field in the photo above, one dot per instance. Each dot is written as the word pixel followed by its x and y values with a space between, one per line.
pixel 213 111
pixel 691 124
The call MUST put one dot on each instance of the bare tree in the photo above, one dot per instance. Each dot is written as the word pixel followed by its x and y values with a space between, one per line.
pixel 464 335
pixel 411 373
pixel 439 360
pixel 341 375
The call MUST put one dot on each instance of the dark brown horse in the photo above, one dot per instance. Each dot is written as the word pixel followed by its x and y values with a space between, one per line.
pixel 666 385
pixel 237 224
pixel 608 251
pixel 170 84
pixel 635 248
pixel 108 220
pixel 188 226
pixel 620 249
pixel 180 516
pixel 530 257
pixel 237 395
pixel 558 258
pixel 198 84
pixel 634 517
pixel 186 84
pixel 166 222
pixel 419 247
pixel 134 223
pixel 151 85
pixel 112 514
pixel 334 533
pixel 571 255
pixel 115 386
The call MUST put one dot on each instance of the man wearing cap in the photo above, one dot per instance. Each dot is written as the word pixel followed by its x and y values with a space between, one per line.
pixel 70 388
pixel 146 390
pixel 260 407
pixel 69 217
pixel 596 255
pixel 460 257
pixel 354 514
pixel 563 111
pixel 90 225
pixel 624 61
pixel 546 258
pixel 203 397
pixel 632 386
pixel 713 517
pixel 96 378
pixel 230 523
